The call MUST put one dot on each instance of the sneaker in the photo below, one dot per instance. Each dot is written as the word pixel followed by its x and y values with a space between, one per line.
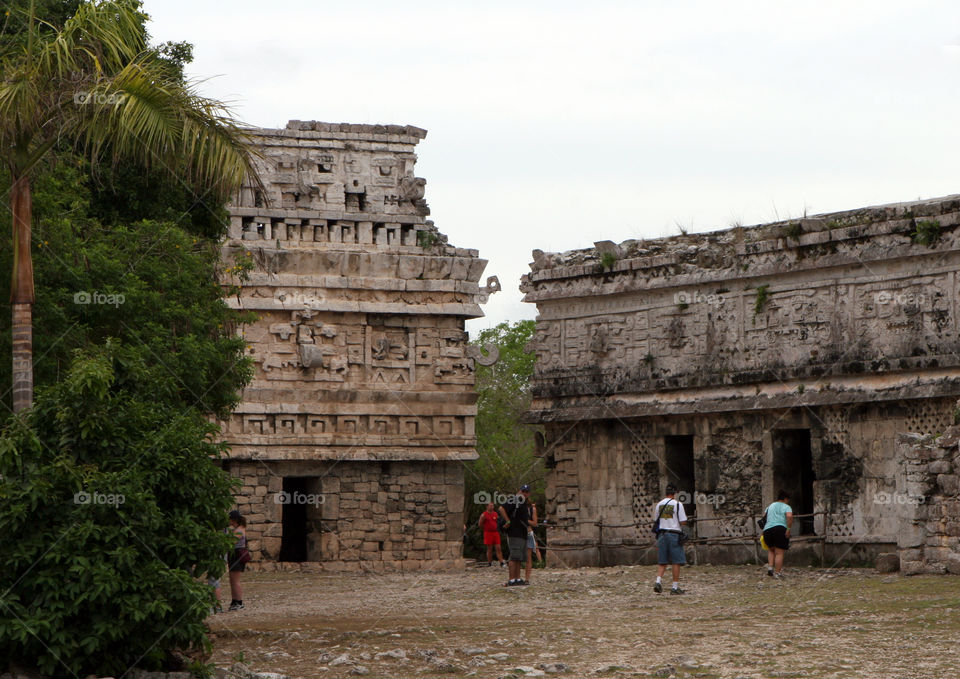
pixel 770 572
pixel 522 582
pixel 677 590
pixel 657 587
pixel 236 606
pixel 503 564
pixel 778 576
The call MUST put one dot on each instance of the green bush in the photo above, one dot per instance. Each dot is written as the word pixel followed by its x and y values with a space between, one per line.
pixel 125 391
pixel 111 512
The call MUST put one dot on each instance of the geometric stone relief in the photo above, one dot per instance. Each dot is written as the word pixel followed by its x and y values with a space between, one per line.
pixel 318 424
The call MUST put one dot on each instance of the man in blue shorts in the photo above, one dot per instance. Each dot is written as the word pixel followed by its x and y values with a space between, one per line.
pixel 669 548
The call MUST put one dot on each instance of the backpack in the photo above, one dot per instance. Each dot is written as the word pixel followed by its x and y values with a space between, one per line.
pixel 656 524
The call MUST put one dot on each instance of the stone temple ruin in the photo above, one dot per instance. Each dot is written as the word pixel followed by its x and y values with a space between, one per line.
pixel 791 355
pixel 350 440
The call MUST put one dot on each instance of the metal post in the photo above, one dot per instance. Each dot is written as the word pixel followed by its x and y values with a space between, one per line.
pixel 600 561
pixel 823 540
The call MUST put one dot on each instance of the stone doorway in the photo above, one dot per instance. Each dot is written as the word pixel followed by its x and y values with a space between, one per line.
pixel 793 473
pixel 678 469
pixel 300 517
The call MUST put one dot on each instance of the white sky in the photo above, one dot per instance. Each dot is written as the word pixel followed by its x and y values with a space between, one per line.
pixel 555 124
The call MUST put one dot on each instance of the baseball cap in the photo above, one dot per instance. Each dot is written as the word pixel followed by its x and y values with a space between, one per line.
pixel 525 488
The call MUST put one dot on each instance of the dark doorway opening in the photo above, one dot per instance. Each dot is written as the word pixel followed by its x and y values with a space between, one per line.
pixel 293 542
pixel 678 460
pixel 793 473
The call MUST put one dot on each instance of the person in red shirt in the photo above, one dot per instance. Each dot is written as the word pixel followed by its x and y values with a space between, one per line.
pixel 491 534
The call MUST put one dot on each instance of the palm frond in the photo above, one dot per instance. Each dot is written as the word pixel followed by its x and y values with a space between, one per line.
pixel 145 115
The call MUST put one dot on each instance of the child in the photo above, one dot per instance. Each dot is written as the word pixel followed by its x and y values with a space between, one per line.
pixel 491 534
pixel 238 525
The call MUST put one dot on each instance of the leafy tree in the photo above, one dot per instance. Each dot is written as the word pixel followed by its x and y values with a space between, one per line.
pixel 110 508
pixel 96 84
pixel 136 352
pixel 128 375
pixel 505 445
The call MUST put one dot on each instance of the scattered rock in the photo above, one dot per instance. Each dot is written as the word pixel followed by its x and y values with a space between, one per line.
pixel 360 670
pixel 396 654
pixel 500 657
pixel 554 668
pixel 473 651
pixel 343 659
pixel 443 665
pixel 888 562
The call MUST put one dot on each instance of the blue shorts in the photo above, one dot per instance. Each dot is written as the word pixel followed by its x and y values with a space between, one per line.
pixel 669 549
pixel 531 541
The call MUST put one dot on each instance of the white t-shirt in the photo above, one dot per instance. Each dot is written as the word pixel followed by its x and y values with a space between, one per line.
pixel 672 515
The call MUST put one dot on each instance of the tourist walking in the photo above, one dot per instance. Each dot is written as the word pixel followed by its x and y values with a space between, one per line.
pixel 491 533
pixel 238 559
pixel 518 517
pixel 776 533
pixel 671 516
pixel 531 541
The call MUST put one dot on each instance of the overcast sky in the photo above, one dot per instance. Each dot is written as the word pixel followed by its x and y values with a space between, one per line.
pixel 556 124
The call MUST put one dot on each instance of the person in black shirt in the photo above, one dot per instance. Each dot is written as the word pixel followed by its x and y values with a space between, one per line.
pixel 519 520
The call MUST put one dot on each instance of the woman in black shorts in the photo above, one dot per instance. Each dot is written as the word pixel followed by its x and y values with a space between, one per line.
pixel 776 533
pixel 238 524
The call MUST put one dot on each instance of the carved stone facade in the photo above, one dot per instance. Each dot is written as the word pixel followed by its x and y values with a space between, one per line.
pixel 350 439
pixel 738 362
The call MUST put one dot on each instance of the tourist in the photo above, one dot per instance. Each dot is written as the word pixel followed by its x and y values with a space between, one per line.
pixel 669 512
pixel 491 534
pixel 215 584
pixel 776 533
pixel 532 542
pixel 518 517
pixel 238 559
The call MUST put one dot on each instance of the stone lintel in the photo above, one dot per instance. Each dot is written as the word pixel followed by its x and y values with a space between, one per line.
pixel 239 452
pixel 841 390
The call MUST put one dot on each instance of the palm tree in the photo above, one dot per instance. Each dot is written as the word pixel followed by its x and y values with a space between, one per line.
pixel 95 84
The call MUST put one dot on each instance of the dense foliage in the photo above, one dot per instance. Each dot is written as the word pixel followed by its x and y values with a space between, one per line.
pixel 111 508
pixel 505 445
pixel 111 504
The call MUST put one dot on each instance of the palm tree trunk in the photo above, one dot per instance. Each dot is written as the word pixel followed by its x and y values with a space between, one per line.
pixel 21 295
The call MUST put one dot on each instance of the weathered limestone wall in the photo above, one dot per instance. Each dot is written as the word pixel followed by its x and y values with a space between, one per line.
pixel 359 348
pixel 927 502
pixel 839 328
pixel 390 516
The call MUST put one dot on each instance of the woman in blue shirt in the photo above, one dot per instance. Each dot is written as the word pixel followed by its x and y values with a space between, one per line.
pixel 776 533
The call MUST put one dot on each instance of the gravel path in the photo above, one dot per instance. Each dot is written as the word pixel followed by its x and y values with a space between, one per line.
pixel 733 622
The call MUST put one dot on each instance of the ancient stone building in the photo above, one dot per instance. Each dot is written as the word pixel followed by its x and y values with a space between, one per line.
pixel 788 355
pixel 351 439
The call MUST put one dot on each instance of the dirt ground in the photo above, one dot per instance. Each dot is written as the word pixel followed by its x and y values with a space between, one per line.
pixel 733 622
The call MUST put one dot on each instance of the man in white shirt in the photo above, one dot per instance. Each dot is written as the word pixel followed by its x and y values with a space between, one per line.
pixel 671 515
